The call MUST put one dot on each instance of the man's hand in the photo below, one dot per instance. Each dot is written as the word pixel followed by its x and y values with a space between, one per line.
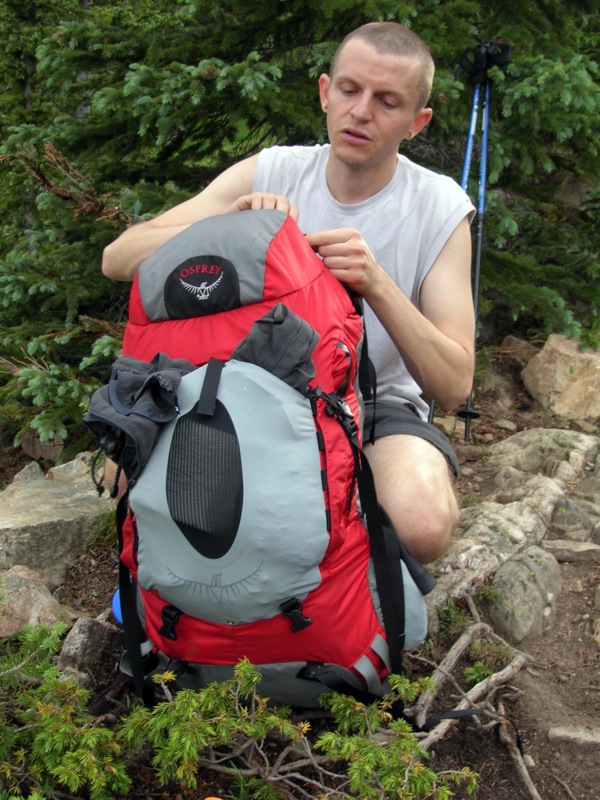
pixel 258 200
pixel 348 257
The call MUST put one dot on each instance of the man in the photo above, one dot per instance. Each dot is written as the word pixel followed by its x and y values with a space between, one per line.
pixel 392 231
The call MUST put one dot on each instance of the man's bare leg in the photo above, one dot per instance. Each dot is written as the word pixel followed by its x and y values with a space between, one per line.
pixel 415 486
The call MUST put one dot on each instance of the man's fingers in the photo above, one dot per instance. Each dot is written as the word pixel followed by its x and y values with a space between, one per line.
pixel 326 238
pixel 263 200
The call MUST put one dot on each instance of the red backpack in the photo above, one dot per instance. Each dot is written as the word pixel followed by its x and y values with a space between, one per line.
pixel 235 415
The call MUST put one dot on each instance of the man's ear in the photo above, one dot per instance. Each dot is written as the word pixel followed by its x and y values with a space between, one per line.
pixel 324 84
pixel 422 118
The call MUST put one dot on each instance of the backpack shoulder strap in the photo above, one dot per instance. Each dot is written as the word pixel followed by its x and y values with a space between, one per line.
pixel 385 545
pixel 132 628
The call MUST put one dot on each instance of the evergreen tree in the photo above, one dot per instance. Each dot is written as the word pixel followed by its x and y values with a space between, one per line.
pixel 114 111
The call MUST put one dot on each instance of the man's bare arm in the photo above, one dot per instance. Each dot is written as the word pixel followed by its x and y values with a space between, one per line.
pixel 230 191
pixel 435 342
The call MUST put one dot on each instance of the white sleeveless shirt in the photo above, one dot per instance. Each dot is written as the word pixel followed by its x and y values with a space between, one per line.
pixel 405 225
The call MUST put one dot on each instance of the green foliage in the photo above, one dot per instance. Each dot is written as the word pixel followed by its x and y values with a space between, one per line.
pixel 112 112
pixel 453 620
pixel 50 744
pixel 477 672
pixel 493 655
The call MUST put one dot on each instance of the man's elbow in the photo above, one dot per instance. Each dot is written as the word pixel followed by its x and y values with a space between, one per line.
pixel 456 395
pixel 111 267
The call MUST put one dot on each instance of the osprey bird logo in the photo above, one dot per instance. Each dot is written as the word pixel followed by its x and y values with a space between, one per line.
pixel 203 291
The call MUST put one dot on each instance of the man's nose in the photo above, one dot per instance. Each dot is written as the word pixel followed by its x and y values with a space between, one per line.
pixel 362 108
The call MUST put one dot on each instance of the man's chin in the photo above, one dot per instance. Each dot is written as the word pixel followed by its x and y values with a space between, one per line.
pixel 353 159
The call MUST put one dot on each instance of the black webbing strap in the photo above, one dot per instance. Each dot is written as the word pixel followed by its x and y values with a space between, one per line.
pixel 207 402
pixel 367 376
pixel 384 542
pixel 332 680
pixel 456 713
pixel 132 628
pixel 385 553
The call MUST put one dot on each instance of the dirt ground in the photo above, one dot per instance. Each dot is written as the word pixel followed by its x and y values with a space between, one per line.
pixel 560 688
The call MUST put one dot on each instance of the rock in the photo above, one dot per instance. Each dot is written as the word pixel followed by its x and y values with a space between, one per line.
pixel 555 453
pixel 506 424
pixel 565 380
pixel 518 349
pixel 541 494
pixel 34 447
pixel 586 427
pixel 87 640
pixel 47 522
pixel 27 601
pixel 564 550
pixel 446 424
pixel 579 736
pixel 527 586
pixel 574 519
pixel 32 472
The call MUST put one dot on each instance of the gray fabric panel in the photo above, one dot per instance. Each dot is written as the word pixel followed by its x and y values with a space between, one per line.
pixel 282 343
pixel 278 682
pixel 365 667
pixel 277 550
pixel 415 628
pixel 379 646
pixel 242 238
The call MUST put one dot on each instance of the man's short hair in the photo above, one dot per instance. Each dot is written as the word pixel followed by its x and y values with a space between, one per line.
pixel 391 38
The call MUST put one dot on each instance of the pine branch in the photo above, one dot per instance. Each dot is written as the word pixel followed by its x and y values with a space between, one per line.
pixel 72 186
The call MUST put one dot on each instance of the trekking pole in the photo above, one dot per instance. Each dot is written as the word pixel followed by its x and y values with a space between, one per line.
pixel 464 180
pixel 476 61
pixel 469 413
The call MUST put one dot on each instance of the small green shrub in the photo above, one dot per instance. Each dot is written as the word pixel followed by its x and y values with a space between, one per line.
pixel 50 744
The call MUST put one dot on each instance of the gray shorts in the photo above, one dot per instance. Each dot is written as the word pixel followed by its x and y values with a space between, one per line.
pixel 391 420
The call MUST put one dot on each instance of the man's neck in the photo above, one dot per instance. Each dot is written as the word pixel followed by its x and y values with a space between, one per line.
pixel 350 185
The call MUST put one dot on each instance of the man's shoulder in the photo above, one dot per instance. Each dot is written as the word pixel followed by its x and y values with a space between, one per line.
pixel 298 153
pixel 281 169
pixel 423 175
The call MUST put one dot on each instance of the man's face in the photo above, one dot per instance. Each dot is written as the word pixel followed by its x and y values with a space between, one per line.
pixel 372 104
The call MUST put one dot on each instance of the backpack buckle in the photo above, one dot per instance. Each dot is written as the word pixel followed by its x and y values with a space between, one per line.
pixel 293 610
pixel 338 407
pixel 170 617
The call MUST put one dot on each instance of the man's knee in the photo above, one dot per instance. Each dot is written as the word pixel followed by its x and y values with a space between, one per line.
pixel 425 526
pixel 415 486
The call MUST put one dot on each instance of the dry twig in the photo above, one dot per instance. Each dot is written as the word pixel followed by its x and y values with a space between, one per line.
pixel 421 708
pixel 564 786
pixel 516 756
pixel 485 688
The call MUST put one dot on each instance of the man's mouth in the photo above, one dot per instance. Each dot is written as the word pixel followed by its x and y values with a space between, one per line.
pixel 353 135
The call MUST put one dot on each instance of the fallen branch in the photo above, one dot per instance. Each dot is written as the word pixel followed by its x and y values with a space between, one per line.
pixel 516 756
pixel 473 610
pixel 483 688
pixel 421 708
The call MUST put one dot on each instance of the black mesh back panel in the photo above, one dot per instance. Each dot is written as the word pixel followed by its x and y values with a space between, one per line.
pixel 204 481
